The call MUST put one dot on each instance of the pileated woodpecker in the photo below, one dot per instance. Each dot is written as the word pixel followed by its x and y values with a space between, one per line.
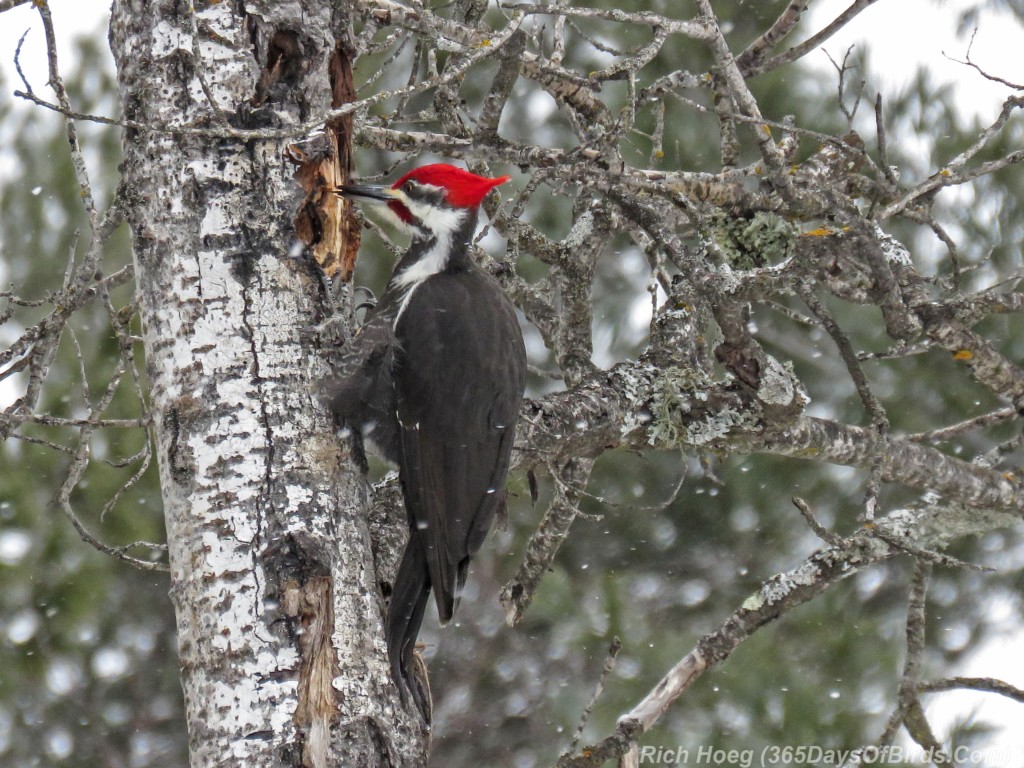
pixel 434 379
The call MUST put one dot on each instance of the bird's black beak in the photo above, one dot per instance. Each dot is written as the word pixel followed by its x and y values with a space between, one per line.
pixel 367 191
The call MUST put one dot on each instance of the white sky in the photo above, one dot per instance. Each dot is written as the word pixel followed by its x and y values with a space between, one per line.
pixel 906 34
pixel 902 35
pixel 70 18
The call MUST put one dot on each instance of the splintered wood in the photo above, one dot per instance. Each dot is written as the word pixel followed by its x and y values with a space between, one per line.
pixel 325 221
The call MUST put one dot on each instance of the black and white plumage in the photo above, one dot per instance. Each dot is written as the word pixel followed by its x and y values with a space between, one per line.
pixel 435 379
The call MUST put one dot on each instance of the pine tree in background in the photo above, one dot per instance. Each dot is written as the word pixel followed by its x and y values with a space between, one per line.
pixel 670 540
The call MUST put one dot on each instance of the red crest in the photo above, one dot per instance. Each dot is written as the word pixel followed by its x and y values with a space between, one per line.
pixel 465 189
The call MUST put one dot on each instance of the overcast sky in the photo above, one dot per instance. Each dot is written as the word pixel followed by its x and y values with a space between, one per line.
pixel 903 34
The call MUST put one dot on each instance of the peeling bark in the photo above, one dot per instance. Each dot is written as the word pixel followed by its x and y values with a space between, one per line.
pixel 326 222
pixel 310 605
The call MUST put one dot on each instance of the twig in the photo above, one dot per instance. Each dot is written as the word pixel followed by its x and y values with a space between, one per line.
pixel 995 456
pixel 998 416
pixel 951 246
pixel 883 148
pixel 693 29
pixel 842 69
pixel 146 455
pixel 952 174
pixel 811 43
pixel 518 593
pixel 385 68
pixel 17 61
pixel 926 555
pixel 6 5
pixel 820 531
pixel 786 22
pixel 741 94
pixel 74 474
pixel 897 352
pixel 729 142
pixel 872 405
pixel 481 49
pixel 792 314
pixel 501 87
pixel 662 506
pixel 57 84
pixel 979 70
pixel 912 713
pixel 986 684
pixel 65 302
pixel 40 441
pixel 609 665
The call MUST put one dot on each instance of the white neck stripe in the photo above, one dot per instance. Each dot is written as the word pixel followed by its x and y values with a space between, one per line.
pixel 442 224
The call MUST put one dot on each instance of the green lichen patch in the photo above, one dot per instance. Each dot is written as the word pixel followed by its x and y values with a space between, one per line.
pixel 751 242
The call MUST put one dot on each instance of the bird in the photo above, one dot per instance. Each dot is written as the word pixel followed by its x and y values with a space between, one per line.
pixel 434 379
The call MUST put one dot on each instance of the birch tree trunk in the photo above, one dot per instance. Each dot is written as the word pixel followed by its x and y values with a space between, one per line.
pixel 273 580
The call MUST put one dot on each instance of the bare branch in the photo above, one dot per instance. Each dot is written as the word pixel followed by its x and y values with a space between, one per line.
pixel 784 24
pixel 776 597
pixel 6 5
pixel 518 593
pixel 987 684
pixel 953 174
pixel 841 70
pixel 999 416
pixel 872 405
pixel 479 48
pixel 694 29
pixel 57 84
pixel 811 43
pixel 820 531
pixel 609 665
pixel 745 101
pixel 911 713
pixel 967 62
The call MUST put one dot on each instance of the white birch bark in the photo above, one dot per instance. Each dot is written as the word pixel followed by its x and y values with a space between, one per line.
pixel 278 610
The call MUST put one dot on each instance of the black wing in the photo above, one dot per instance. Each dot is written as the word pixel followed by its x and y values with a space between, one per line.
pixel 460 375
pixel 459 379
pixel 460 368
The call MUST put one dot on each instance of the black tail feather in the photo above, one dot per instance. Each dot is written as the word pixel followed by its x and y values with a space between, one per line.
pixel 405 615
